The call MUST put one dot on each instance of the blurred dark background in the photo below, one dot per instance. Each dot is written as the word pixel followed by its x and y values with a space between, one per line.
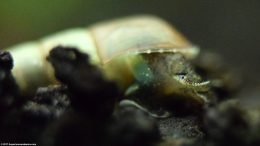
pixel 228 27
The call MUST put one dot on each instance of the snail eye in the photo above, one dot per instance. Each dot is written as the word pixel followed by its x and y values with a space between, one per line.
pixel 181 76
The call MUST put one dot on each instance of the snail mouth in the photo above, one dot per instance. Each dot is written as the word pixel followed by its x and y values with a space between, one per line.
pixel 198 89
pixel 198 86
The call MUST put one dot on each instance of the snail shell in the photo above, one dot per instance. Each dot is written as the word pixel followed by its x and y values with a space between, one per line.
pixel 111 45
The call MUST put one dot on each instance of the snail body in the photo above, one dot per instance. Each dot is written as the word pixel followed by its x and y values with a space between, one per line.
pixel 142 49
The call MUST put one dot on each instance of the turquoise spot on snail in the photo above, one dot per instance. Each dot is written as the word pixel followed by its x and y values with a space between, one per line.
pixel 141 70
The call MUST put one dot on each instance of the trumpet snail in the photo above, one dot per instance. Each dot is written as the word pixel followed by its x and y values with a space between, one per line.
pixel 141 49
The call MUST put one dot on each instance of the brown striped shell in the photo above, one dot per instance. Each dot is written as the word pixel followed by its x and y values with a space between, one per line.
pixel 142 34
